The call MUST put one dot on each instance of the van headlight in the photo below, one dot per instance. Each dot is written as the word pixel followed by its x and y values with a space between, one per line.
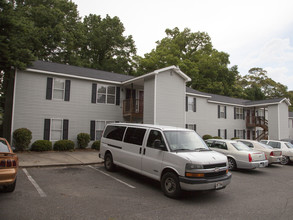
pixel 190 170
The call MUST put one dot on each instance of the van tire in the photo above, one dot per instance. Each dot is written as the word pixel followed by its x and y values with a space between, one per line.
pixel 170 185
pixel 108 162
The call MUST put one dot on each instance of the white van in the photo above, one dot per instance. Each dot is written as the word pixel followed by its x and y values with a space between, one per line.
pixel 176 157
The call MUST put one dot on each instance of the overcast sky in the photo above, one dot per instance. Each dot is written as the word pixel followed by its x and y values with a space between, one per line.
pixel 255 33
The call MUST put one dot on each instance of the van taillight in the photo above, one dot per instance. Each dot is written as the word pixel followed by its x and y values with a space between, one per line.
pixel 249 158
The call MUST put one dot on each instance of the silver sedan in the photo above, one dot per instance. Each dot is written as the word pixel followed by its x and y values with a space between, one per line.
pixel 239 155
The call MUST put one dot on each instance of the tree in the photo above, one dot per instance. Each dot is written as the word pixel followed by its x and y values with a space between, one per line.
pixel 257 85
pixel 105 47
pixel 194 54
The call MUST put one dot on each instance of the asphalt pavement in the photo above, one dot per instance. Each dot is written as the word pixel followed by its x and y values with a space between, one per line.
pixel 58 158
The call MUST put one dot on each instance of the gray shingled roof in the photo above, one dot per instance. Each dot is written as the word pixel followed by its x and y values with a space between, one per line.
pixel 79 71
pixel 231 100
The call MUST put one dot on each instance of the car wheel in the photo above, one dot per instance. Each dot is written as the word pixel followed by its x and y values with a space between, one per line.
pixel 285 160
pixel 231 164
pixel 9 188
pixel 108 162
pixel 170 185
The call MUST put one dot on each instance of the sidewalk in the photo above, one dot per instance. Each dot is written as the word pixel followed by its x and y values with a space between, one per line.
pixel 58 158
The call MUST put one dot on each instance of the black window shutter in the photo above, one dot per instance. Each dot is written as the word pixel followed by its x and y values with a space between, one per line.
pixel 93 130
pixel 235 133
pixel 65 129
pixel 94 93
pixel 67 90
pixel 194 104
pixel 225 133
pixel 47 129
pixel 225 111
pixel 186 103
pixel 117 95
pixel 243 134
pixel 219 113
pixel 186 125
pixel 194 127
pixel 234 112
pixel 49 88
pixel 219 132
pixel 244 114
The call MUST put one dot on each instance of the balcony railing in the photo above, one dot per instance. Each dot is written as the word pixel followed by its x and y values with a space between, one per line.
pixel 133 108
pixel 257 121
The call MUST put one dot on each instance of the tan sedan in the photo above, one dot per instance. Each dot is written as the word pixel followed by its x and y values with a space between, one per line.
pixel 272 155
pixel 8 167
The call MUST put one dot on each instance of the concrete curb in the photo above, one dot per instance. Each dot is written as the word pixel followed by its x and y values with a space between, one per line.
pixel 59 165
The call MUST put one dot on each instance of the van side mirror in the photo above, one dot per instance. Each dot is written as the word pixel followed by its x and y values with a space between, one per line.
pixel 158 145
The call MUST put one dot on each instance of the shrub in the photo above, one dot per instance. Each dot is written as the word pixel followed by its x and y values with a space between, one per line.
pixel 22 138
pixel 207 136
pixel 83 140
pixel 63 145
pixel 96 145
pixel 42 145
pixel 234 138
pixel 217 137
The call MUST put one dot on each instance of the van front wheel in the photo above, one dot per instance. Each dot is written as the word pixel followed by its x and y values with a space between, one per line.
pixel 170 185
pixel 108 162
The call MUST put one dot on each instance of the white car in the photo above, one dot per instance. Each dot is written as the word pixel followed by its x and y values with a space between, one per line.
pixel 285 147
pixel 272 155
pixel 239 155
pixel 178 158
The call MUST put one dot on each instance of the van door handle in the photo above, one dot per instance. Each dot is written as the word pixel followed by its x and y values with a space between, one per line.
pixel 144 151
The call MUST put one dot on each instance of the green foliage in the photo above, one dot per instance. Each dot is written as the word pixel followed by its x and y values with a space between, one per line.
pixel 234 138
pixel 42 145
pixel 96 145
pixel 217 137
pixel 64 145
pixel 22 138
pixel 82 140
pixel 207 136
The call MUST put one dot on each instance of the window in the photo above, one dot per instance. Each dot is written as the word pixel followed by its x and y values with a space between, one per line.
pixel 58 88
pixel 190 104
pixel 134 135
pixel 99 128
pixel 106 94
pixel 155 136
pixel 222 133
pixel 3 147
pixel 238 113
pixel 191 126
pixel 220 145
pixel 56 129
pixel 222 111
pixel 239 134
pixel 275 144
pixel 114 132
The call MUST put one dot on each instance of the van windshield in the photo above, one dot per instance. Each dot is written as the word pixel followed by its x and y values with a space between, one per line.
pixel 185 141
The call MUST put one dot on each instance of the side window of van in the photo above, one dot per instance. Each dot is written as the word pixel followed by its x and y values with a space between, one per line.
pixel 114 132
pixel 154 136
pixel 134 135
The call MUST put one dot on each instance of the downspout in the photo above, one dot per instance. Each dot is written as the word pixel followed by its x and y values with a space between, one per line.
pixel 279 133
pixel 13 107
pixel 155 100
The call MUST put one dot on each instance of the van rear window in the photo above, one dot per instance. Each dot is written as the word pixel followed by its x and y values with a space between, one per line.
pixel 114 132
pixel 134 135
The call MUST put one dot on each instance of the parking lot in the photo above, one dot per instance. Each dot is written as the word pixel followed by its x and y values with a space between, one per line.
pixel 90 192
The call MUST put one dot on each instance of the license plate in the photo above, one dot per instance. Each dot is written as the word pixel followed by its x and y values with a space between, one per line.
pixel 219 185
pixel 261 165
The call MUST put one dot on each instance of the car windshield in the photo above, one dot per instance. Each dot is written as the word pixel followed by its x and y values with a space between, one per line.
pixel 241 147
pixel 289 145
pixel 3 147
pixel 266 146
pixel 185 141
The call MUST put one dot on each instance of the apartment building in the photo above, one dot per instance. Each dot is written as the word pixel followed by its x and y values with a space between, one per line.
pixel 58 101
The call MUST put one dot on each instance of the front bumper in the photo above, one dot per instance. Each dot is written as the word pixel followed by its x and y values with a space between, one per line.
pixel 193 184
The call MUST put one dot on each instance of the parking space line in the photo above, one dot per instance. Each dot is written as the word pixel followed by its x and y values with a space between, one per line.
pixel 133 187
pixel 38 188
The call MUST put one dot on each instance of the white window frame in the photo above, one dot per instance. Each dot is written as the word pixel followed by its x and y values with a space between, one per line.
pixel 106 94
pixel 58 89
pixel 54 129
pixel 239 134
pixel 239 113
pixel 191 126
pixel 190 106
pixel 222 111
pixel 222 133
pixel 102 129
